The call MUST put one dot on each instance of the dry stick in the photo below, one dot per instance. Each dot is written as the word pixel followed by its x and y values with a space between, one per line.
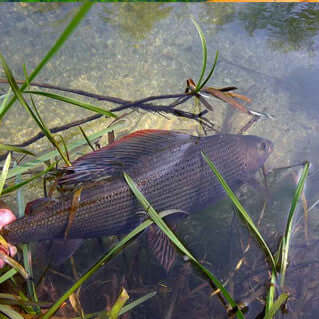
pixel 249 124
pixel 125 104
pixel 79 92
pixel 181 98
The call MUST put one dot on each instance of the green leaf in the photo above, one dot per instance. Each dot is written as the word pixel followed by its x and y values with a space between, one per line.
pixel 26 75
pixel 55 48
pixel 35 116
pixel 87 139
pixel 118 305
pixel 241 210
pixel 84 105
pixel 4 102
pixel 204 48
pixel 4 172
pixel 26 251
pixel 137 302
pixel 288 231
pixel 9 299
pixel 50 155
pixel 271 292
pixel 169 233
pixel 27 181
pixel 125 309
pixel 210 73
pixel 10 261
pixel 9 274
pixel 10 312
pixel 276 305
pixel 15 149
pixel 107 257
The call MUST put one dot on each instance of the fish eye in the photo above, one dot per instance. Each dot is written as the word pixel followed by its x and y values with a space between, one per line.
pixel 263 146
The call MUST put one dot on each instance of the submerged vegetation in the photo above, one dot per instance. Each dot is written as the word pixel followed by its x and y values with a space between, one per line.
pixel 24 303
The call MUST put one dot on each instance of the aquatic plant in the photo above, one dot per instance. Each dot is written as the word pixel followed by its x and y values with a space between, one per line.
pixel 30 304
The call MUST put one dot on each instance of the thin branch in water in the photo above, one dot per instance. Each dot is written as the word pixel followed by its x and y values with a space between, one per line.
pixel 141 104
pixel 249 124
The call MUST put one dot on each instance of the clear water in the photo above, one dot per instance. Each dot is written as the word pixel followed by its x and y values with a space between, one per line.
pixel 131 51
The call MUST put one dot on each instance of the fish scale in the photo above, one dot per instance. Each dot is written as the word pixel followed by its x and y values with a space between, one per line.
pixel 167 167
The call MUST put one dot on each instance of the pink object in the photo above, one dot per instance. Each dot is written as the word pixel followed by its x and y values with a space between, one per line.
pixel 6 217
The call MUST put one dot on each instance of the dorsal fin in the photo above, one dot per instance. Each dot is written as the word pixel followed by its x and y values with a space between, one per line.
pixel 111 160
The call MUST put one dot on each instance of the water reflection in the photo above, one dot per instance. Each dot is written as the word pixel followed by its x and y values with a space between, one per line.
pixel 289 26
pixel 218 14
pixel 133 19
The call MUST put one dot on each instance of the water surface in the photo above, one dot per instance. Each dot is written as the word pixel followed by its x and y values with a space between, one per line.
pixel 131 51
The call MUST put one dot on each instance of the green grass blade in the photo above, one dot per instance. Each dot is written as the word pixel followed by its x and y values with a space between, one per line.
pixel 168 232
pixel 271 293
pixel 20 197
pixel 26 251
pixel 107 257
pixel 9 274
pixel 84 105
pixel 136 302
pixel 125 309
pixel 10 261
pixel 20 169
pixel 26 75
pixel 119 246
pixel 4 102
pixel 204 48
pixel 10 312
pixel 55 48
pixel 66 151
pixel 242 211
pixel 211 72
pixel 288 231
pixel 4 172
pixel 15 149
pixel 36 115
pixel 87 139
pixel 276 306
pixel 10 299
pixel 118 305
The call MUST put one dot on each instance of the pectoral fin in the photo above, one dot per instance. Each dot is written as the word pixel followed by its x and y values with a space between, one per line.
pixel 160 245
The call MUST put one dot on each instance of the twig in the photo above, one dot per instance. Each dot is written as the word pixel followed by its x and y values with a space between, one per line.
pixel 249 124
pixel 170 109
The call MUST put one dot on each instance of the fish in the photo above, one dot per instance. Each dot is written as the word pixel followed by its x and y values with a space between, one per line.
pixel 167 167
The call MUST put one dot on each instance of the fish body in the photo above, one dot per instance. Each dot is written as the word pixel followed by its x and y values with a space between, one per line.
pixel 167 167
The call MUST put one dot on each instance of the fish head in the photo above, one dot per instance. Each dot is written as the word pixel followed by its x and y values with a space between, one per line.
pixel 258 150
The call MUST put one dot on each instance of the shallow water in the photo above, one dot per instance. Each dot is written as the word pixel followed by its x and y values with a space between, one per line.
pixel 131 51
